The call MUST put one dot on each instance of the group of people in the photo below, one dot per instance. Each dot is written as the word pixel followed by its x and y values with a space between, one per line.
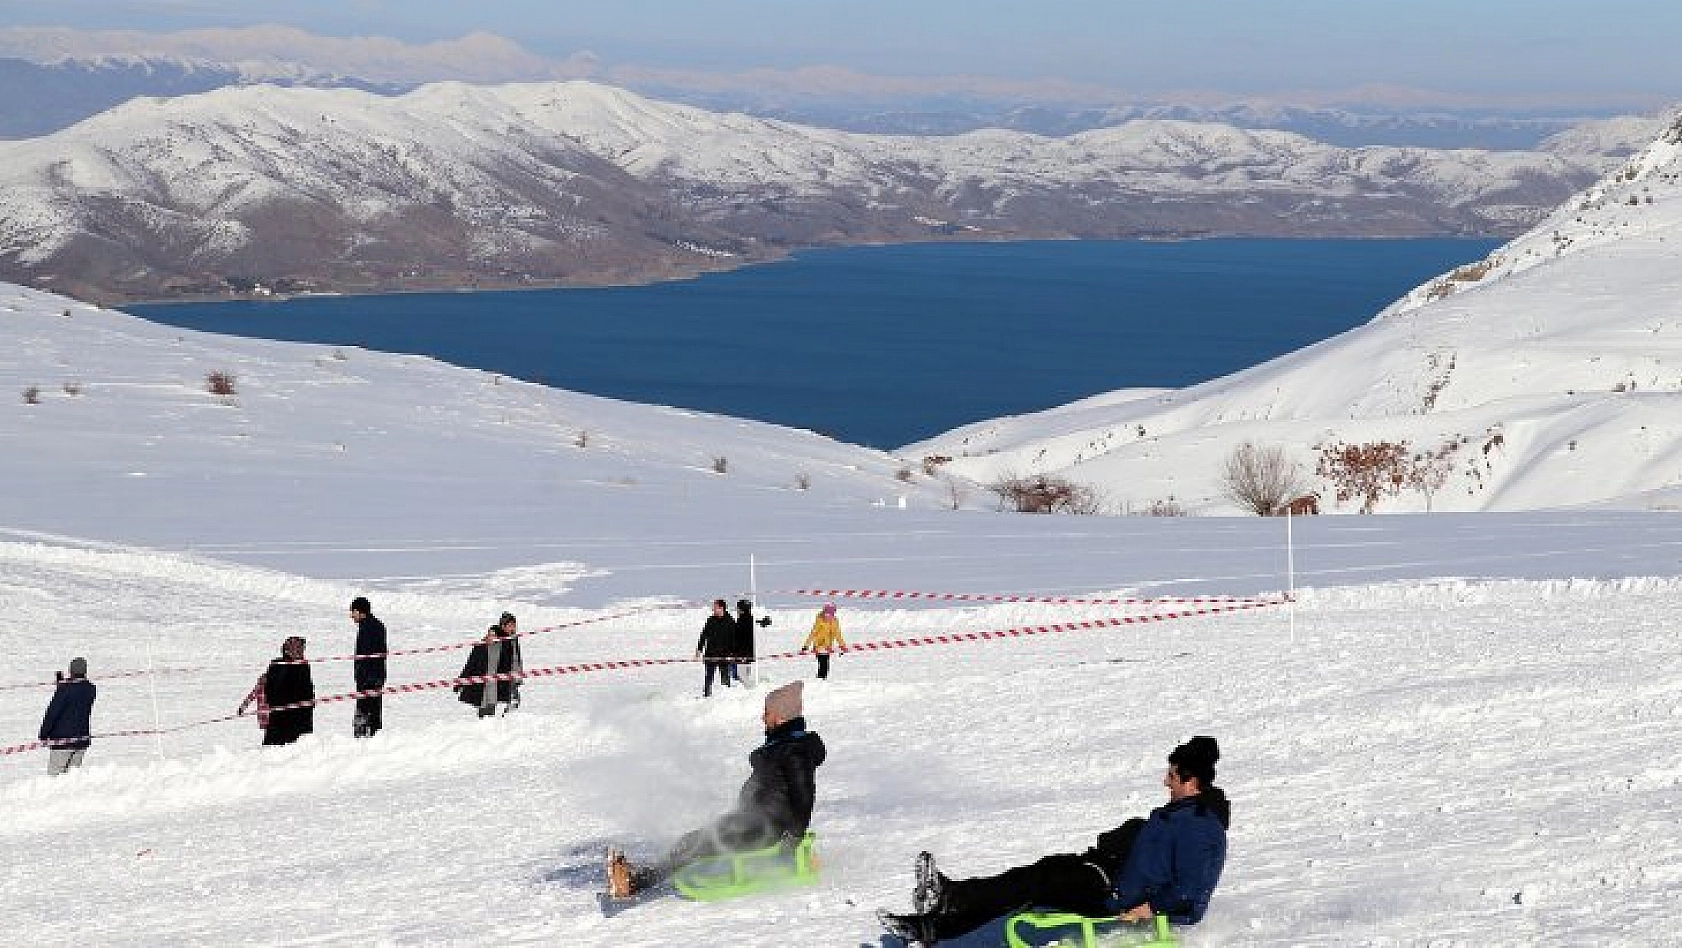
pixel 1167 863
pixel 726 644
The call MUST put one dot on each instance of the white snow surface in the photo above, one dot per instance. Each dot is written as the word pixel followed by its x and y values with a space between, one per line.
pixel 1551 371
pixel 1462 734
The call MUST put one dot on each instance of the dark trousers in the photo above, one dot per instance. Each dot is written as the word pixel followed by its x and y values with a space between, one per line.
pixel 1064 882
pixel 823 664
pixel 722 670
pixel 369 717
pixel 735 832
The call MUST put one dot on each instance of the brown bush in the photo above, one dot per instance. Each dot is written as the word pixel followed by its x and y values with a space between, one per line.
pixel 721 465
pixel 72 388
pixel 903 475
pixel 220 383
pixel 32 395
pixel 1044 493
pixel 803 481
pixel 1367 471
pixel 932 463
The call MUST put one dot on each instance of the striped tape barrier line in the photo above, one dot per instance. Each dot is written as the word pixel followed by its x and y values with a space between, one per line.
pixel 896 594
pixel 556 671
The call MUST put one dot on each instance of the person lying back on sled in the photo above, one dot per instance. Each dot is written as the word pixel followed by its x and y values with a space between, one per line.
pixel 775 804
pixel 1167 864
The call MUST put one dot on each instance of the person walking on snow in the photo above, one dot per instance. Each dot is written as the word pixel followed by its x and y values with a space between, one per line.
pixel 714 647
pixel 498 654
pixel 288 682
pixel 775 803
pixel 744 647
pixel 368 668
pixel 826 635
pixel 1167 864
pixel 68 722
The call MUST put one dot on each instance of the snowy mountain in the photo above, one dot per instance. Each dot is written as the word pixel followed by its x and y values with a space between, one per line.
pixel 455 185
pixel 1548 374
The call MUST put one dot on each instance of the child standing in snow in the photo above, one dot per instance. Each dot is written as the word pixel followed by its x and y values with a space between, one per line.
pixel 826 636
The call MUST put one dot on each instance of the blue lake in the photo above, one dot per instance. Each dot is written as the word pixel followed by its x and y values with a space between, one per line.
pixel 888 345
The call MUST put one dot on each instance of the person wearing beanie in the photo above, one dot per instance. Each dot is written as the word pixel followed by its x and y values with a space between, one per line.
pixel 368 668
pixel 825 637
pixel 774 805
pixel 68 723
pixel 716 646
pixel 289 693
pixel 1167 864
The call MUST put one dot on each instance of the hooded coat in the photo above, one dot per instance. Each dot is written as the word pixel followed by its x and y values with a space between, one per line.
pixel 1176 860
pixel 776 800
pixel 288 682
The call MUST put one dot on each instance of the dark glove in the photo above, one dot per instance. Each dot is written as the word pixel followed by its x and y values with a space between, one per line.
pixel 764 621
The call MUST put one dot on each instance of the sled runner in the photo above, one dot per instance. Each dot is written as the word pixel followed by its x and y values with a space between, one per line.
pixel 746 873
pixel 1090 932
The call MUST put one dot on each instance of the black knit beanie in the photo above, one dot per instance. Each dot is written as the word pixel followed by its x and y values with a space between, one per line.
pixel 1196 758
pixel 360 604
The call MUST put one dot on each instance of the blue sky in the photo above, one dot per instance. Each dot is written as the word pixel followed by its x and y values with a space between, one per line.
pixel 1496 48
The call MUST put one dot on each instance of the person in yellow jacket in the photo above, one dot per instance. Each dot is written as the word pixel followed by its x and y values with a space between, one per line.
pixel 825 637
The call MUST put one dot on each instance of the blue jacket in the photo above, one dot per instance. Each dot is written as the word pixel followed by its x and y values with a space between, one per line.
pixel 1177 859
pixel 69 714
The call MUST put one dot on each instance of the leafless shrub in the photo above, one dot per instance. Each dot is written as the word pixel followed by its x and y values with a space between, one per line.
pixel 72 388
pixel 903 475
pixel 1162 508
pixel 956 493
pixel 932 463
pixel 803 481
pixel 721 465
pixel 339 355
pixel 1260 479
pixel 583 439
pixel 1367 471
pixel 32 395
pixel 1044 493
pixel 220 383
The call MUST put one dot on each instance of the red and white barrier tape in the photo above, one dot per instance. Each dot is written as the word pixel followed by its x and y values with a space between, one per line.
pixel 134 673
pixel 987 597
pixel 555 671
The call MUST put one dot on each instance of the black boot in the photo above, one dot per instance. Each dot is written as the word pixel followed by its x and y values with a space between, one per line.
pixel 916 931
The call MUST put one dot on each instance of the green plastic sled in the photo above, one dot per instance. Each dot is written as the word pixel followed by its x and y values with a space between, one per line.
pixel 737 874
pixel 1092 932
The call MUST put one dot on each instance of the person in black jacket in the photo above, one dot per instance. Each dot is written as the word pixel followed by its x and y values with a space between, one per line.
pixel 369 668
pixel 775 803
pixel 744 648
pixel 1168 865
pixel 716 645
pixel 68 723
pixel 288 682
pixel 498 654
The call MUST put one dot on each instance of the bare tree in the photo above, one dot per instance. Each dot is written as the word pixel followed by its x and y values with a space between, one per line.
pixel 1045 493
pixel 1259 479
pixel 1367 471
pixel 956 492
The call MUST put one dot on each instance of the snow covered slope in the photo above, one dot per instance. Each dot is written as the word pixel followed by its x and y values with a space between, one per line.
pixel 455 184
pixel 1549 374
pixel 1425 753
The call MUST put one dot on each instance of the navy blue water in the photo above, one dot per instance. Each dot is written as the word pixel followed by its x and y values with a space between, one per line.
pixel 888 345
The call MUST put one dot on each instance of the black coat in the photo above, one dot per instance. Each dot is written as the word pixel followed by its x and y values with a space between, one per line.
pixel 287 683
pixel 70 714
pixel 478 663
pixel 718 638
pixel 744 633
pixel 370 640
pixel 781 791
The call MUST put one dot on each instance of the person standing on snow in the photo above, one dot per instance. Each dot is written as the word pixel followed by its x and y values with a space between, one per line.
pixel 744 638
pixel 775 803
pixel 1168 865
pixel 498 654
pixel 288 682
pixel 826 635
pixel 714 647
pixel 68 722
pixel 368 668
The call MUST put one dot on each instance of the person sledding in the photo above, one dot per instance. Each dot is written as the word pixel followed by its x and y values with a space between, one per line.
pixel 774 806
pixel 1165 865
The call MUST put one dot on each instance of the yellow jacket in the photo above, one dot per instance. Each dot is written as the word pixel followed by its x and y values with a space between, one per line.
pixel 826 635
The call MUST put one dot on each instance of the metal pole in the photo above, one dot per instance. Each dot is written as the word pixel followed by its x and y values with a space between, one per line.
pixel 1290 575
pixel 152 682
pixel 753 597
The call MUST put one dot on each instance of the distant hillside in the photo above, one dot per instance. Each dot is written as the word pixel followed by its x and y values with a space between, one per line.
pixel 456 185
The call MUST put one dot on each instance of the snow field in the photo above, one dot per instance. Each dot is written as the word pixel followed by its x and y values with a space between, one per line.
pixel 1463 762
